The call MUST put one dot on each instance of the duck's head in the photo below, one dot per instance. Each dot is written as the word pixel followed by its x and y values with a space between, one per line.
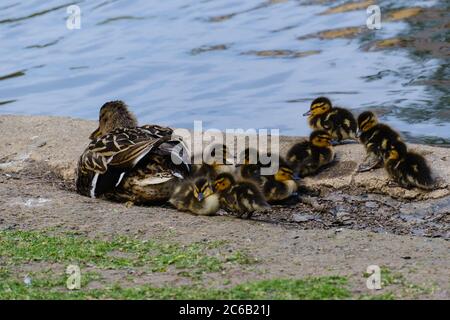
pixel 224 181
pixel 396 151
pixel 113 115
pixel 319 106
pixel 320 138
pixel 202 189
pixel 366 121
pixel 284 173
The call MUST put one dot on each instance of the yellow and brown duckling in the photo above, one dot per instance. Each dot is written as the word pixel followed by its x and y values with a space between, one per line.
pixel 308 157
pixel 338 122
pixel 407 169
pixel 128 163
pixel 242 197
pixel 196 196
pixel 213 167
pixel 376 137
pixel 281 185
pixel 250 165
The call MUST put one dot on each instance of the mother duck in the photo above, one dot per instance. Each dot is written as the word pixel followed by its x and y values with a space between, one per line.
pixel 127 163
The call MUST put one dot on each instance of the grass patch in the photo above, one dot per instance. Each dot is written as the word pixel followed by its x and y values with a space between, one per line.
pixel 18 247
pixel 46 287
pixel 390 279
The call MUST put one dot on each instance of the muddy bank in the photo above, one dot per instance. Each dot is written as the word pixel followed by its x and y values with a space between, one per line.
pixel 58 142
pixel 46 149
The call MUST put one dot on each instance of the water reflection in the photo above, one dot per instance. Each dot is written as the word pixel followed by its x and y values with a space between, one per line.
pixel 231 63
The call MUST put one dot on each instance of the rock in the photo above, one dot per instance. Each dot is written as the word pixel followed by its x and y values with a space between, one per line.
pixel 342 215
pixel 297 217
pixel 372 204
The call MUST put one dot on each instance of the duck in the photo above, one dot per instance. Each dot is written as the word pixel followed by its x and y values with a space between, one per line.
pixel 242 197
pixel 338 122
pixel 250 166
pixel 130 163
pixel 213 167
pixel 197 196
pixel 376 137
pixel 281 185
pixel 308 157
pixel 407 169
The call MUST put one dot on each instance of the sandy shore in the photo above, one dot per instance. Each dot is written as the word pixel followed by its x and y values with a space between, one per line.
pixel 354 221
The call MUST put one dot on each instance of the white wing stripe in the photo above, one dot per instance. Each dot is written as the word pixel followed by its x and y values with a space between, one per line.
pixel 94 185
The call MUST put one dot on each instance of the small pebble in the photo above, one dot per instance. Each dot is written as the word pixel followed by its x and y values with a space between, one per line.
pixel 372 204
pixel 301 217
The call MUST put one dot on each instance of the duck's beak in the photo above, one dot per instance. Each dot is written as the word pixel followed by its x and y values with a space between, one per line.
pixel 307 113
pixel 296 177
pixel 200 196
pixel 94 135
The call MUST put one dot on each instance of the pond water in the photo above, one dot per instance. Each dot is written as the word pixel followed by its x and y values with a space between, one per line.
pixel 229 63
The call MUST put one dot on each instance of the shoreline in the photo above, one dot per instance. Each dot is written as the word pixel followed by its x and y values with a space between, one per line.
pixel 354 221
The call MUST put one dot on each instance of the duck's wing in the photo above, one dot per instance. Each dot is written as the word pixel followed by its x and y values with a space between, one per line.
pixel 109 158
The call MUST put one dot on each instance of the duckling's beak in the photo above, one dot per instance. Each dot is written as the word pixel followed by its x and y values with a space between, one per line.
pixel 307 113
pixel 358 134
pixel 200 196
pixel 94 135
pixel 296 177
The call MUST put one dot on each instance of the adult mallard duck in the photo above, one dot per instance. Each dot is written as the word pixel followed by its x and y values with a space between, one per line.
pixel 128 163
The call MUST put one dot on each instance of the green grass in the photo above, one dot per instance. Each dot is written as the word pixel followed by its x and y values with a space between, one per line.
pixel 18 247
pixel 37 250
pixel 46 287
pixel 390 279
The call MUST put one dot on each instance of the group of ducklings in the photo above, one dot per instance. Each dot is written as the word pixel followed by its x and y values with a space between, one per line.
pixel 239 189
pixel 134 164
pixel 384 146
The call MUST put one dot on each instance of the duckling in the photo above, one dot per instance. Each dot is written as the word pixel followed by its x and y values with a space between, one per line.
pixel 248 169
pixel 212 168
pixel 308 157
pixel 243 197
pixel 376 137
pixel 338 122
pixel 408 169
pixel 281 185
pixel 128 163
pixel 196 196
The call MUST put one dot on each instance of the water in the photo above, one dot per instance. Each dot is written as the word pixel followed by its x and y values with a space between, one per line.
pixel 232 64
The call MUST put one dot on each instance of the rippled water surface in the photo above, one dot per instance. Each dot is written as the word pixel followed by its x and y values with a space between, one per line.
pixel 232 64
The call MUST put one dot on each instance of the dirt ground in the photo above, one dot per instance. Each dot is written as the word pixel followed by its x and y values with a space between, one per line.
pixel 346 223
